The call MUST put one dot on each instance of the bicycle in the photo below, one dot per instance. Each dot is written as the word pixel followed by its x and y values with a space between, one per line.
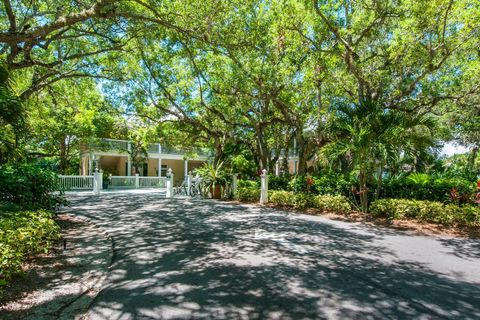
pixel 181 189
pixel 195 188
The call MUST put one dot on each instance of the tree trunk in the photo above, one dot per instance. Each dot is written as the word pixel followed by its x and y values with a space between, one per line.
pixel 63 155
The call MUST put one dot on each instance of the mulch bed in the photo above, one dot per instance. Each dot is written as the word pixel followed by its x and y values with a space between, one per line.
pixel 412 225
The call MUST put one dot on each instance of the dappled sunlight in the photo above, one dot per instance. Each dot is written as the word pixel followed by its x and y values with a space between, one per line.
pixel 181 258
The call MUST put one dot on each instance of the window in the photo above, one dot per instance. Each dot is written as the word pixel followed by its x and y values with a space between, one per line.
pixel 164 170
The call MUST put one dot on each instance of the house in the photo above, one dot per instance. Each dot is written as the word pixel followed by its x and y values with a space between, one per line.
pixel 113 157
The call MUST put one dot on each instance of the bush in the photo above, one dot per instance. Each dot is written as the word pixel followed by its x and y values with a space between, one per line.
pixel 278 183
pixel 430 211
pixel 306 200
pixel 332 183
pixel 30 186
pixel 248 190
pixel 281 198
pixel 22 234
pixel 421 186
pixel 332 203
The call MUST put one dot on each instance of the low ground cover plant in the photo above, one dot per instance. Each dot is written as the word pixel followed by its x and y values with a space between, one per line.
pixel 431 211
pixel 22 234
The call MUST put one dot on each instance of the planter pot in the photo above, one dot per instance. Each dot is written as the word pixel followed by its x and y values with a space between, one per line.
pixel 216 192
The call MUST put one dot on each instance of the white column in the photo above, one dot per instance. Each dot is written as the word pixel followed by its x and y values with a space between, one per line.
pixel 159 166
pixel 159 146
pixel 137 180
pixel 129 166
pixel 97 182
pixel 294 166
pixel 277 168
pixel 264 187
pixel 185 168
pixel 189 183
pixel 169 183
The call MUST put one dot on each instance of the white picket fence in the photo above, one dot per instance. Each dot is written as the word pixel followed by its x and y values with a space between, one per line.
pixel 152 182
pixel 69 182
pixel 122 182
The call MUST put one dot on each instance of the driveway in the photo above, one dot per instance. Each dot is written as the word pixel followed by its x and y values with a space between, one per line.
pixel 189 259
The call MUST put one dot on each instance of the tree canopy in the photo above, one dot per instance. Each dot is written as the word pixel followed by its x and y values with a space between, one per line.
pixel 357 85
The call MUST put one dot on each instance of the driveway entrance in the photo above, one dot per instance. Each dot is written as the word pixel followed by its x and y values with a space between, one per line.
pixel 189 259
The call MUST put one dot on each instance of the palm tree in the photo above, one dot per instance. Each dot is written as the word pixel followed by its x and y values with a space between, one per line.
pixel 370 138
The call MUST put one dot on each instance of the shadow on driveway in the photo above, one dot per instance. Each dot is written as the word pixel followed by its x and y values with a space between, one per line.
pixel 183 259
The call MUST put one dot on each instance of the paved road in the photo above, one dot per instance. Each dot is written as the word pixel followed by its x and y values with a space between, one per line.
pixel 190 259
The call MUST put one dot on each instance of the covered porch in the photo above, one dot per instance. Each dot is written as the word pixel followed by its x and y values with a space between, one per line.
pixel 120 165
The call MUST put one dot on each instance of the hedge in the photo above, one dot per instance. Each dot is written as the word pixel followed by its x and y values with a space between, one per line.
pixel 431 211
pixel 307 200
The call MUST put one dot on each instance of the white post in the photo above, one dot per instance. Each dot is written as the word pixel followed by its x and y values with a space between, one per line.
pixel 189 183
pixel 159 148
pixel 97 182
pixel 264 187
pixel 137 180
pixel 159 166
pixel 185 168
pixel 169 183
pixel 294 166
pixel 277 168
pixel 234 184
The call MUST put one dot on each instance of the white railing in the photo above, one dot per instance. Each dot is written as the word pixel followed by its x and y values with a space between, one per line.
pixel 122 181
pixel 76 182
pixel 152 182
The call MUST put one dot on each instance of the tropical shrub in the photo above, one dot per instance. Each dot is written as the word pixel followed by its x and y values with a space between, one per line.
pixel 303 200
pixel 431 211
pixel 23 233
pixel 30 187
pixel 302 184
pixel 332 203
pixel 307 200
pixel 278 183
pixel 421 186
pixel 247 190
pixel 333 183
pixel 281 198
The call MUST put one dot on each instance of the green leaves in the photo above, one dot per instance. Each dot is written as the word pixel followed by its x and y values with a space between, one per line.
pixel 22 234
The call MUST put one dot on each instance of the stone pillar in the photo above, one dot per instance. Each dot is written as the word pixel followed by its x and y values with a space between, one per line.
pixel 169 183
pixel 264 187
pixel 137 180
pixel 277 168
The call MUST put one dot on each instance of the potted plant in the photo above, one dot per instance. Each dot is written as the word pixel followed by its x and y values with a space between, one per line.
pixel 214 179
pixel 106 179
